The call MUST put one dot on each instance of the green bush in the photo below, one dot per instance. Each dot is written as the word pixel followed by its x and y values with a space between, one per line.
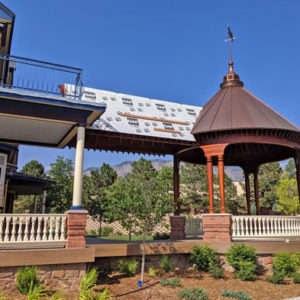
pixel 215 271
pixel 161 236
pixel 107 230
pixel 193 293
pixel 296 278
pixel 87 285
pixel 172 282
pixel 237 295
pixel 152 272
pixel 277 277
pixel 203 257
pixel 104 295
pixel 243 260
pixel 286 262
pixel 166 264
pixel 93 232
pixel 128 267
pixel 36 292
pixel 27 280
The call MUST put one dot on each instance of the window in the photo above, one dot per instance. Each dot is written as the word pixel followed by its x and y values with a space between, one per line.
pixel 160 106
pixel 191 112
pixel 168 126
pixel 127 101
pixel 133 121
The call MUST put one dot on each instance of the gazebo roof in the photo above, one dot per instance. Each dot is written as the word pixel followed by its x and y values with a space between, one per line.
pixel 233 107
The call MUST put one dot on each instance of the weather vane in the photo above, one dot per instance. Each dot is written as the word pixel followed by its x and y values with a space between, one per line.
pixel 230 39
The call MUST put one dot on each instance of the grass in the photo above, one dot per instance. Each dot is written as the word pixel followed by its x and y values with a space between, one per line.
pixel 119 237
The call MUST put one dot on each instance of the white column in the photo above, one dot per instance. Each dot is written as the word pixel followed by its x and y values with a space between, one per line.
pixel 78 172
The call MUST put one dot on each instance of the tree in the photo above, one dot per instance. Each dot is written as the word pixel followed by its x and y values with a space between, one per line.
pixel 26 202
pixel 95 192
pixel 290 169
pixel 287 192
pixel 59 197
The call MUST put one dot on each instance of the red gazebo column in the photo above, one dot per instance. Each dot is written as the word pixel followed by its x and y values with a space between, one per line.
pixel 209 166
pixel 221 183
pixel 256 192
pixel 247 186
pixel 177 222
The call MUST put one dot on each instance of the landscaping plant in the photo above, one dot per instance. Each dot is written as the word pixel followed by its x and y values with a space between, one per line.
pixel 172 282
pixel 107 230
pixel 243 260
pixel 105 295
pixel 204 257
pixel 215 271
pixel 27 280
pixel 277 277
pixel 286 262
pixel 36 292
pixel 237 295
pixel 87 285
pixel 166 264
pixel 128 267
pixel 193 293
pixel 160 236
pixel 152 272
pixel 296 278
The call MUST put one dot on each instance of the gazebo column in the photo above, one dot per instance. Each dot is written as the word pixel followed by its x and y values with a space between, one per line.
pixel 177 222
pixel 256 192
pixel 221 183
pixel 247 186
pixel 210 181
pixel 77 216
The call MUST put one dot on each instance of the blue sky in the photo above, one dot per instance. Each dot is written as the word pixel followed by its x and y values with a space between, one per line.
pixel 172 50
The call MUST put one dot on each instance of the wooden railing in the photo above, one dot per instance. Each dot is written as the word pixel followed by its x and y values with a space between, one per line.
pixel 32 229
pixel 193 227
pixel 249 227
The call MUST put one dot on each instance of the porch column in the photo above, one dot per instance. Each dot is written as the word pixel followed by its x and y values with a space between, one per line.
pixel 209 167
pixel 221 183
pixel 176 182
pixel 247 186
pixel 77 216
pixel 256 192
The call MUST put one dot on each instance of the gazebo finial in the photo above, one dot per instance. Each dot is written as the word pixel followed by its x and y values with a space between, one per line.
pixel 231 79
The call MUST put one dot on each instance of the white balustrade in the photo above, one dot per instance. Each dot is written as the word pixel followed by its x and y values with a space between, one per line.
pixel 247 227
pixel 193 227
pixel 32 228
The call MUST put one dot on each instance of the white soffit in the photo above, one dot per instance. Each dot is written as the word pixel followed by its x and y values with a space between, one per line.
pixel 143 116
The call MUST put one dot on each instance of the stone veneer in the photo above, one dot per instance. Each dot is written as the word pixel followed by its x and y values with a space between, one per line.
pixel 55 277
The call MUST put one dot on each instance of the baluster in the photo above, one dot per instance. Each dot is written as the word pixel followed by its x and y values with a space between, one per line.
pixel 263 225
pixel 56 237
pixel 6 237
pixel 250 226
pixel 44 238
pixel 258 226
pixel 38 234
pixel 242 227
pixel 246 226
pixel 233 226
pixel 50 238
pixel 62 229
pixel 254 226
pixel 275 226
pixel 32 229
pixel 26 231
pixel 1 228
pixel 20 229
pixel 271 225
pixel 13 232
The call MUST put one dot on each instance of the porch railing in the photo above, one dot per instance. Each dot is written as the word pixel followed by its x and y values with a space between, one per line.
pixel 247 227
pixel 39 76
pixel 193 227
pixel 39 229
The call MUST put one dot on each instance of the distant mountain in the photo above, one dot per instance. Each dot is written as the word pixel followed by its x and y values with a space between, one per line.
pixel 235 173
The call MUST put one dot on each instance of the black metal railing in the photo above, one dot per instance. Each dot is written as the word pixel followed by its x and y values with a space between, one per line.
pixel 39 76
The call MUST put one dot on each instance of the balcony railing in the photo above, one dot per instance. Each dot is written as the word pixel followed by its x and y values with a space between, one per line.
pixel 193 227
pixel 33 229
pixel 252 227
pixel 39 76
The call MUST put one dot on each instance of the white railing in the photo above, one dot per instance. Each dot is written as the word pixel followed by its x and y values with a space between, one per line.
pixel 247 227
pixel 32 229
pixel 193 227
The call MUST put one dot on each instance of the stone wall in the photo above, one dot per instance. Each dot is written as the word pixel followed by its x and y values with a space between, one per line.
pixel 54 277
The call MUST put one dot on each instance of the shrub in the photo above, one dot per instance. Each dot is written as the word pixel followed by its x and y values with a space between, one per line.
pixel 107 230
pixel 152 272
pixel 161 236
pixel 286 262
pixel 203 257
pixel 105 295
pixel 27 280
pixel 296 278
pixel 277 277
pixel 93 232
pixel 172 282
pixel 237 295
pixel 128 267
pixel 87 285
pixel 57 296
pixel 193 293
pixel 215 271
pixel 166 264
pixel 36 292
pixel 243 260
